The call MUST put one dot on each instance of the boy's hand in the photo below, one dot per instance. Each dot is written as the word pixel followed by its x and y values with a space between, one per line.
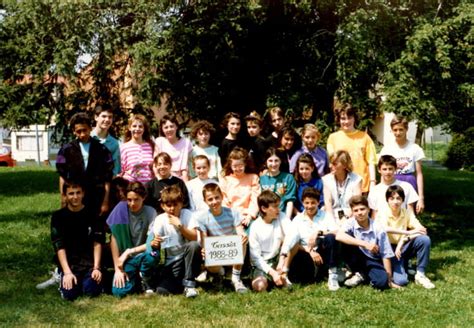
pixel 156 242
pixel 69 280
pixel 174 220
pixel 246 219
pixel 420 206
pixel 277 279
pixel 316 257
pixel 123 258
pixel 245 238
pixel 373 248
pixel 104 208
pixel 203 253
pixel 120 278
pixel 398 252
pixel 96 275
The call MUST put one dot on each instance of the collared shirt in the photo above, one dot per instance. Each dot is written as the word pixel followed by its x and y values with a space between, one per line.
pixel 375 234
pixel 377 199
pixel 320 158
pixel 405 221
pixel 303 227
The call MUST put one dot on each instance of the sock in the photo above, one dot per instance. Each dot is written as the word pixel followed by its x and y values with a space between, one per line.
pixel 235 275
pixel 333 270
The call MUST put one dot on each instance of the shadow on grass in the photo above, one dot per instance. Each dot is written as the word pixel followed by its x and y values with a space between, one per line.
pixel 25 216
pixel 27 182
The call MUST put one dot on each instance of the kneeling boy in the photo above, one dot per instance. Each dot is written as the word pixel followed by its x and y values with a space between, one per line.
pixel 370 252
pixel 221 221
pixel 266 237
pixel 175 232
pixel 77 238
pixel 407 236
pixel 311 242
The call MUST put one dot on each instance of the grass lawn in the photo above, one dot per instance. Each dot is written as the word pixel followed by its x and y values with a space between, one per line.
pixel 28 196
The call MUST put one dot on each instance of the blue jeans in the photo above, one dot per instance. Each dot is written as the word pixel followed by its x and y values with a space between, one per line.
pixel 371 268
pixel 143 263
pixel 85 286
pixel 419 247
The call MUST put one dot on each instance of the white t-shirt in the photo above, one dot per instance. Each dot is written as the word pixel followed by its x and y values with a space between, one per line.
pixel 266 239
pixel 173 245
pixel 377 199
pixel 196 200
pixel 406 156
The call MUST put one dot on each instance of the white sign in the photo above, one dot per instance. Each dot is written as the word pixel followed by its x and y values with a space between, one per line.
pixel 223 250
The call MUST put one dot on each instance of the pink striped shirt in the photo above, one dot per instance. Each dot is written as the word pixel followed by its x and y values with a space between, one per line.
pixel 136 160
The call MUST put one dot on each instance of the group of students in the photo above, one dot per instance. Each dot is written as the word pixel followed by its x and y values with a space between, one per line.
pixel 302 215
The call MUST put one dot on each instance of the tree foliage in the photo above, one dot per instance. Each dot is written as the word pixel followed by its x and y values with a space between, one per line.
pixel 205 58
pixel 433 78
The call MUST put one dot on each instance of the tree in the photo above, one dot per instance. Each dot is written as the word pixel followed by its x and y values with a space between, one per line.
pixel 433 79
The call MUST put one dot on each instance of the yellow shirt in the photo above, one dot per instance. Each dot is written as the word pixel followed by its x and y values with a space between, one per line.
pixel 405 221
pixel 360 147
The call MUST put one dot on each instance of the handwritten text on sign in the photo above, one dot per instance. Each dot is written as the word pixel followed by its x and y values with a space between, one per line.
pixel 223 250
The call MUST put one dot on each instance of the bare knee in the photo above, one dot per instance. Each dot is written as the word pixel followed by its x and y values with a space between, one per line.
pixel 260 284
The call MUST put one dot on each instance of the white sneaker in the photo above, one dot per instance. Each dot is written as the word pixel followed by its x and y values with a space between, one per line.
pixel 53 281
pixel 287 283
pixel 190 292
pixel 343 274
pixel 239 287
pixel 355 280
pixel 333 283
pixel 202 276
pixel 421 279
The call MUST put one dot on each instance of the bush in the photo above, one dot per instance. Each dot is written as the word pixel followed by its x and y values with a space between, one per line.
pixel 460 154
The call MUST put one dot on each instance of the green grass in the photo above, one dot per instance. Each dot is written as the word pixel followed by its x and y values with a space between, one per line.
pixel 28 196
pixel 436 151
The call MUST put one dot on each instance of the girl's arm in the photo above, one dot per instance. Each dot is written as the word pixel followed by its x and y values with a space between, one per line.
pixel 420 205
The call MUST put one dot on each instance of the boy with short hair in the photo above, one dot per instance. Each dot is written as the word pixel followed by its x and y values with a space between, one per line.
pixel 312 242
pixel 175 232
pixel 256 144
pixel 408 238
pixel 369 252
pixel 266 237
pixel 104 116
pixel 77 239
pixel 85 159
pixel 201 166
pixel 221 221
pixel 387 167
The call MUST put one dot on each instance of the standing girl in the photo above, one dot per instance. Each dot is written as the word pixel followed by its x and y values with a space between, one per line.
pixel 409 156
pixel 357 143
pixel 288 143
pixel 177 147
pixel 239 187
pixel 201 134
pixel 306 176
pixel 136 154
pixel 232 123
pixel 311 136
pixel 281 183
pixel 276 118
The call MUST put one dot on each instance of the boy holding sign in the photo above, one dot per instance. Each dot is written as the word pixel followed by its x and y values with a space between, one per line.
pixel 174 231
pixel 265 239
pixel 221 221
